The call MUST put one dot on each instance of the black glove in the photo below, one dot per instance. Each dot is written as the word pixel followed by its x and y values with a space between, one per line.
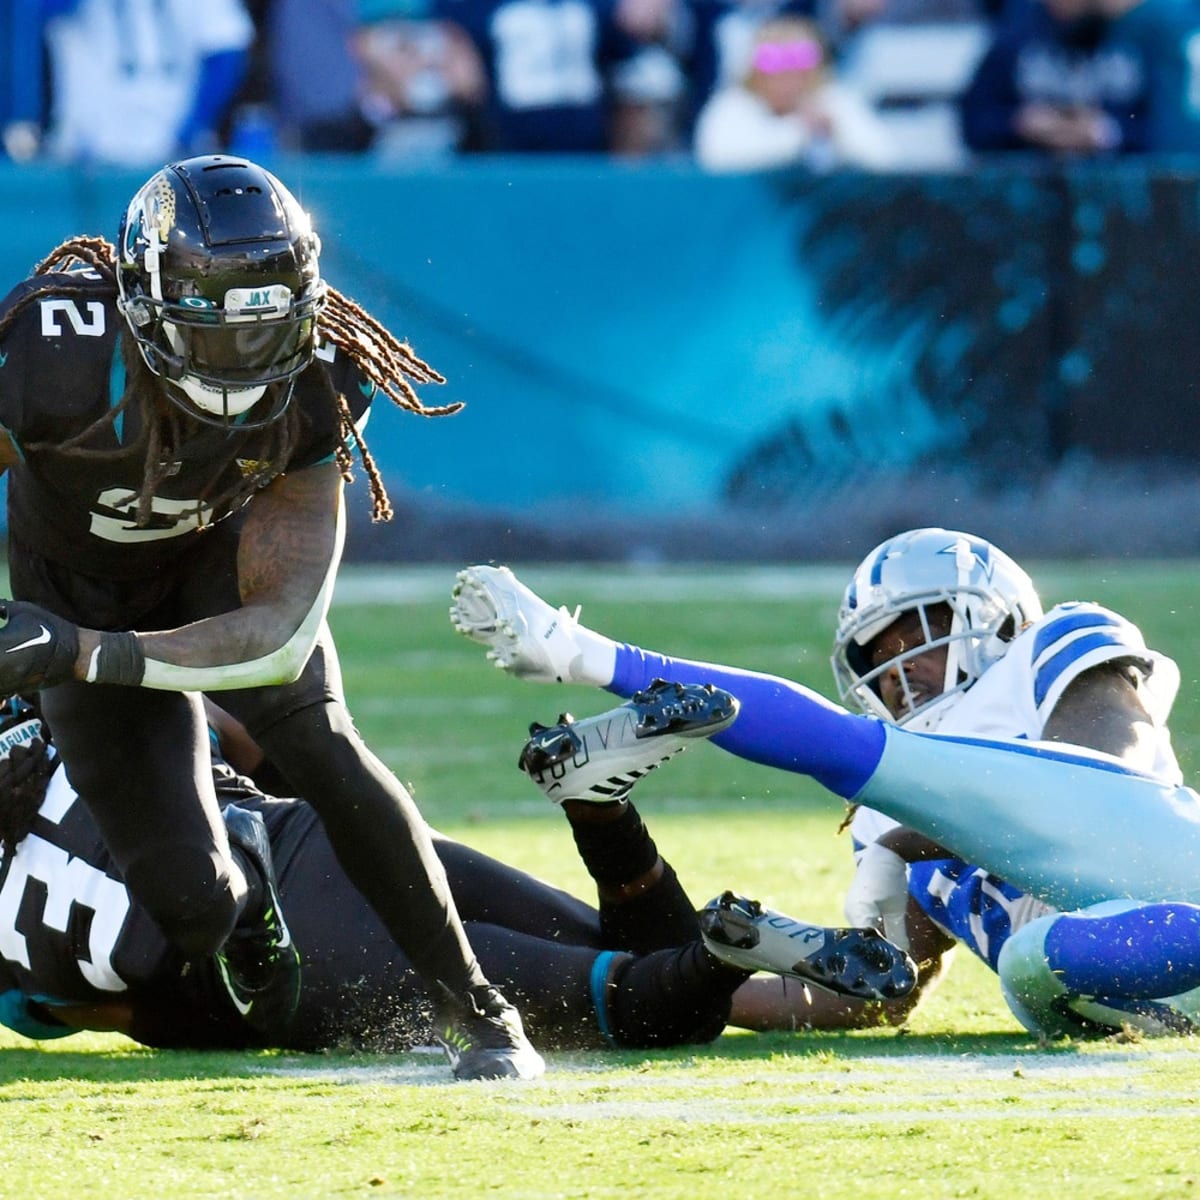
pixel 26 768
pixel 23 778
pixel 37 648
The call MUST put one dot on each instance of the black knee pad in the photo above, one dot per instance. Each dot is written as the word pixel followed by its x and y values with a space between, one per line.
pixel 188 892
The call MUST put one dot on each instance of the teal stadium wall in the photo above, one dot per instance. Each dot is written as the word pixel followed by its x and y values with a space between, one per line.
pixel 660 363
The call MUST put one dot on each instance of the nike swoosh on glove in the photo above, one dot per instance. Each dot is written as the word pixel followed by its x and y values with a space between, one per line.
pixel 37 648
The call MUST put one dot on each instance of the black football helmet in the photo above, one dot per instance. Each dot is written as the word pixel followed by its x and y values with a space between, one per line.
pixel 220 286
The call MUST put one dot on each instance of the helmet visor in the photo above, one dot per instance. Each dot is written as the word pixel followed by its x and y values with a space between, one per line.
pixel 253 351
pixel 259 337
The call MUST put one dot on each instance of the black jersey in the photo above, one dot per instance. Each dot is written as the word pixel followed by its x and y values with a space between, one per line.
pixel 61 369
pixel 71 934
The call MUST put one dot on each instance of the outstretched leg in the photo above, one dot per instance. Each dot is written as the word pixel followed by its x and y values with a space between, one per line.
pixel 386 849
pixel 1121 963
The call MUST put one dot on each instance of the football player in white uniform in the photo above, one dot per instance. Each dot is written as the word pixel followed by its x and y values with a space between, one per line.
pixel 1012 771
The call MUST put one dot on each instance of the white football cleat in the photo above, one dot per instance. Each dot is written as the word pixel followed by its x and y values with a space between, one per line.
pixel 600 758
pixel 849 962
pixel 524 635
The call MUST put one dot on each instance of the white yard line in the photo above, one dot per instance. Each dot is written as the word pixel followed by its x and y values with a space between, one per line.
pixel 421 585
pixel 913 1088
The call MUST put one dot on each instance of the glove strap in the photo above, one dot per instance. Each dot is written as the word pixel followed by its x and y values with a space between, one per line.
pixel 117 659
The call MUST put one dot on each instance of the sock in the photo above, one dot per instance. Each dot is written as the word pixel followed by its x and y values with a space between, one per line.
pixel 617 848
pixel 662 916
pixel 597 658
pixel 1148 951
pixel 781 723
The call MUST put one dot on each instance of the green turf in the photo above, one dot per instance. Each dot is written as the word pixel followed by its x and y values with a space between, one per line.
pixel 961 1104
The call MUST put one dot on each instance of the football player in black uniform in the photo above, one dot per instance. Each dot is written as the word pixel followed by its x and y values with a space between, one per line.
pixel 177 418
pixel 78 952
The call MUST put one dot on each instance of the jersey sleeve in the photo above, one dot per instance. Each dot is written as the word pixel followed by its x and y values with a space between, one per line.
pixel 1074 638
pixel 14 360
pixel 974 907
pixel 319 442
pixel 65 336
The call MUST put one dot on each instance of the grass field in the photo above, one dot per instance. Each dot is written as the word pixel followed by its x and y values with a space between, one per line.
pixel 962 1103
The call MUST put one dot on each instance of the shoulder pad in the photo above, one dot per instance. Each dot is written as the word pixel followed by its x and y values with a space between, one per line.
pixel 1072 638
pixel 71 282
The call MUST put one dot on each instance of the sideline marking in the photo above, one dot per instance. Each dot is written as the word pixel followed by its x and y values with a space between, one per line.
pixel 421 585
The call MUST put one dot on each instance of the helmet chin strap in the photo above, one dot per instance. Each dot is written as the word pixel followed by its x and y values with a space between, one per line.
pixel 223 408
pixel 219 402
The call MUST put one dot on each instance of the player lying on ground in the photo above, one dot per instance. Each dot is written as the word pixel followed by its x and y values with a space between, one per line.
pixel 643 969
pixel 940 631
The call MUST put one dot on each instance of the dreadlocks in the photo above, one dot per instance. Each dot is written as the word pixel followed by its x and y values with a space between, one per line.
pixel 381 358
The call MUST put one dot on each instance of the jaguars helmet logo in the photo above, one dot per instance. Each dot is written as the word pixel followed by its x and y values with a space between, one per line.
pixel 151 216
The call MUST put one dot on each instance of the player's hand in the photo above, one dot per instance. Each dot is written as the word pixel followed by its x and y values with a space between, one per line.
pixel 524 635
pixel 24 773
pixel 37 648
pixel 26 768
pixel 878 896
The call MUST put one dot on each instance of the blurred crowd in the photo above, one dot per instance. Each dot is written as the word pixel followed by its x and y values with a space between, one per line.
pixel 738 84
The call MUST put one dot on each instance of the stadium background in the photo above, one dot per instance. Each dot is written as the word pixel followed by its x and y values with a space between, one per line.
pixel 660 364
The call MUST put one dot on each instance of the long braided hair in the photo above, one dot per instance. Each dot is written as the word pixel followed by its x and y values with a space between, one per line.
pixel 381 358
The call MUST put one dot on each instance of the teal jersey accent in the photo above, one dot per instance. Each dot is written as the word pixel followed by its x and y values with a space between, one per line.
pixel 15 1014
pixel 116 389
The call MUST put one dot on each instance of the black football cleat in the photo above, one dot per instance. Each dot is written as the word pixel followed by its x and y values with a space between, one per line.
pixel 484 1039
pixel 600 758
pixel 259 964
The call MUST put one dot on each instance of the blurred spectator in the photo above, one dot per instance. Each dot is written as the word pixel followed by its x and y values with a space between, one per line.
pixel 715 38
pixel 1165 34
pixel 22 86
pixel 1086 78
pixel 844 20
pixel 315 78
pixel 137 82
pixel 790 108
pixel 423 80
pixel 554 70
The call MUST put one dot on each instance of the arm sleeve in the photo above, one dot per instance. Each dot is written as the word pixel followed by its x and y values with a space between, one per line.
pixel 281 665
pixel 781 723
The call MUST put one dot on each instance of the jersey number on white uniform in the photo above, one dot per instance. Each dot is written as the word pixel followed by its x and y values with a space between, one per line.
pixel 545 55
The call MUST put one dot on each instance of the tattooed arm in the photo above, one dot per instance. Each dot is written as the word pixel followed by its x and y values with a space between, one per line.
pixel 288 556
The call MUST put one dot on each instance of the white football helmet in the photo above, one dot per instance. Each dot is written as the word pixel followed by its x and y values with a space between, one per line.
pixel 990 598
